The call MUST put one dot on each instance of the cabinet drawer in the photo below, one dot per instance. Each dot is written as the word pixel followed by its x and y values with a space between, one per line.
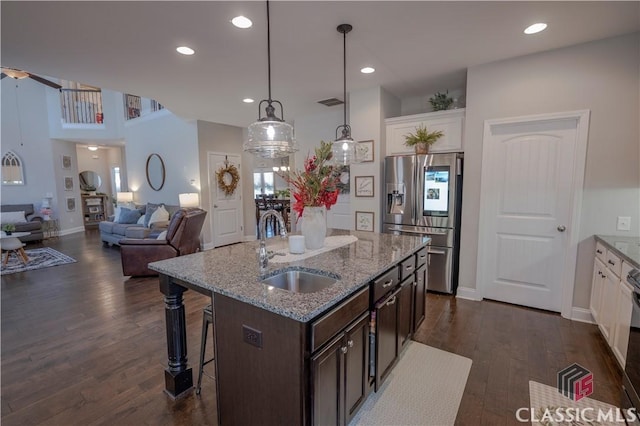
pixel 407 268
pixel 613 263
pixel 384 283
pixel 626 268
pixel 323 329
pixel 601 252
pixel 421 257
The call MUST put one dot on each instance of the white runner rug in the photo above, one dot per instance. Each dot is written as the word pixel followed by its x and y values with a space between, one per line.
pixel 425 388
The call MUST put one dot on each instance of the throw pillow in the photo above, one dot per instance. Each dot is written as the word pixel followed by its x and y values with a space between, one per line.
pixel 128 216
pixel 141 220
pixel 148 212
pixel 116 214
pixel 162 236
pixel 160 215
pixel 12 217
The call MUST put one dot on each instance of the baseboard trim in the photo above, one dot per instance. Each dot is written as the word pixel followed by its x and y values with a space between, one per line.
pixel 468 293
pixel 248 238
pixel 208 246
pixel 581 315
pixel 71 231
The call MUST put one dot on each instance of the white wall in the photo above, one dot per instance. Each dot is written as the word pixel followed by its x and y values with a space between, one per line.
pixel 176 141
pixel 602 76
pixel 214 137
pixel 69 221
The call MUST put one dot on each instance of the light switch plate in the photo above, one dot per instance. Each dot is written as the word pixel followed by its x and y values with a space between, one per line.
pixel 624 223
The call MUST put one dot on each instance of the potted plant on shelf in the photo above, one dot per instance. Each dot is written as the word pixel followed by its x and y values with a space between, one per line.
pixel 440 101
pixel 8 228
pixel 422 139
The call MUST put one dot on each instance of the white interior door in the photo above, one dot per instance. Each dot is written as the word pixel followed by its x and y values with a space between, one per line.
pixel 226 218
pixel 531 186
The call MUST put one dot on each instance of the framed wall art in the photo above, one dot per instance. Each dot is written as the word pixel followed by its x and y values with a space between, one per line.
pixel 364 186
pixel 68 183
pixel 364 151
pixel 71 204
pixel 364 221
pixel 66 161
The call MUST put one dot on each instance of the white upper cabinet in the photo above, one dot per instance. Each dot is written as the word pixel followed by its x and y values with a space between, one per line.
pixel 450 122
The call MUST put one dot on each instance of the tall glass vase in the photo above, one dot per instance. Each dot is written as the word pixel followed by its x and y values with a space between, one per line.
pixel 314 227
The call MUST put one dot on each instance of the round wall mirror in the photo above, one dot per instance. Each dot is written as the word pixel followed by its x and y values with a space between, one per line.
pixel 89 181
pixel 155 172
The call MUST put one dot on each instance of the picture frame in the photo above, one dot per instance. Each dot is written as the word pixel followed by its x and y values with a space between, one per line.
pixel 364 221
pixel 364 151
pixel 68 183
pixel 66 162
pixel 71 204
pixel 364 186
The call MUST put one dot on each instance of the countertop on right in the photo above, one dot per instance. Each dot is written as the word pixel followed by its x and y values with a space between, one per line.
pixel 627 248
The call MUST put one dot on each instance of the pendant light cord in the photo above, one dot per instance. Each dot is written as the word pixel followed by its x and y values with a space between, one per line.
pixel 269 49
pixel 344 73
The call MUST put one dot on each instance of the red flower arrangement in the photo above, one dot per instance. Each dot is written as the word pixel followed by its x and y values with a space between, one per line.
pixel 316 186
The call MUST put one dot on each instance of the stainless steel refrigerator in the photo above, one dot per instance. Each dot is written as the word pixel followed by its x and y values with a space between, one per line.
pixel 423 195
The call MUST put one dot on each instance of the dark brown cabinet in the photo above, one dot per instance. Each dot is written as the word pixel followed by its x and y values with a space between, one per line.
pixel 420 288
pixel 405 311
pixel 340 375
pixel 386 312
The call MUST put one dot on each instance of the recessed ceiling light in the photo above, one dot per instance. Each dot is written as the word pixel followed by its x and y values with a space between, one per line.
pixel 242 22
pixel 535 28
pixel 92 148
pixel 367 70
pixel 247 100
pixel 185 50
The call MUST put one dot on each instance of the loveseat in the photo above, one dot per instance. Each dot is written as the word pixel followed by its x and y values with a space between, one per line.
pixel 28 221
pixel 111 231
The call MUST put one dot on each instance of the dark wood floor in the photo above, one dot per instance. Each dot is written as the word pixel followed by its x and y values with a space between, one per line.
pixel 83 345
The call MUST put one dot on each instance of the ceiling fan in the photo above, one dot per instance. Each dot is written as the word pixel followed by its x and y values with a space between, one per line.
pixel 19 74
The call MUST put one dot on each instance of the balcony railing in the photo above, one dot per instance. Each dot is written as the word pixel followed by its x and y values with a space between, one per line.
pixel 81 106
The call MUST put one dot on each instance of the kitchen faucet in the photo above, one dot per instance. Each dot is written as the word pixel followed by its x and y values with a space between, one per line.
pixel 263 256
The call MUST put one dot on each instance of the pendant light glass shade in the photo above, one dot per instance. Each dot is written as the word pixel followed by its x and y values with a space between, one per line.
pixel 270 136
pixel 344 148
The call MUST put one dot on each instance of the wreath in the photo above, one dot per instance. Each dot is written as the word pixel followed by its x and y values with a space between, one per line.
pixel 232 171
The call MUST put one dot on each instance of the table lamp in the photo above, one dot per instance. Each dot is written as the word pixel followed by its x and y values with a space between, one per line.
pixel 189 199
pixel 124 198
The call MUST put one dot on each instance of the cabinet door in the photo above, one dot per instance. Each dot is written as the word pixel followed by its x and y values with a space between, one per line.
pixel 405 319
pixel 450 123
pixel 609 301
pixel 420 287
pixel 623 322
pixel 596 290
pixel 386 336
pixel 327 381
pixel 356 367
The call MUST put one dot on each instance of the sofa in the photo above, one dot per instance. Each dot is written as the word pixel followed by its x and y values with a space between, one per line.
pixel 32 223
pixel 182 238
pixel 111 232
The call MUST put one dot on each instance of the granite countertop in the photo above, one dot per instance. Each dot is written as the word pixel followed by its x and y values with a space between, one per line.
pixel 233 271
pixel 627 248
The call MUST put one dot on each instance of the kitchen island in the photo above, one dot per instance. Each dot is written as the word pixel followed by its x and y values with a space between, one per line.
pixel 271 344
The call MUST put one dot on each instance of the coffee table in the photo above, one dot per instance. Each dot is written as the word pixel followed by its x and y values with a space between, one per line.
pixel 11 243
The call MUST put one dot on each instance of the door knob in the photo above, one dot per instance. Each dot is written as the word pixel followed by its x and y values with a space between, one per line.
pixel 562 228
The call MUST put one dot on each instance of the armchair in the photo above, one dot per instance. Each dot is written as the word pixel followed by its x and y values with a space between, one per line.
pixel 183 237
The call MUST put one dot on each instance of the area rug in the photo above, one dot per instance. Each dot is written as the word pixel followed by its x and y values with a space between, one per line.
pixel 425 388
pixel 550 407
pixel 38 258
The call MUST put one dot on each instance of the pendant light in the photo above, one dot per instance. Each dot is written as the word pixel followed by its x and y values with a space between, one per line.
pixel 270 136
pixel 344 148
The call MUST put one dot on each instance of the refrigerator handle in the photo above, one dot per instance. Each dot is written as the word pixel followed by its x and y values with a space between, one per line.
pixel 458 166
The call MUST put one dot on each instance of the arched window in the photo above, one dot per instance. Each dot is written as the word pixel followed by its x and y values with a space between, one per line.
pixel 12 173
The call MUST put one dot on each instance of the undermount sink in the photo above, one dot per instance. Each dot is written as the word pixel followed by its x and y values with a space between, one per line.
pixel 299 281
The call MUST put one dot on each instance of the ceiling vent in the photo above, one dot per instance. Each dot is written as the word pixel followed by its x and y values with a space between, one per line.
pixel 331 102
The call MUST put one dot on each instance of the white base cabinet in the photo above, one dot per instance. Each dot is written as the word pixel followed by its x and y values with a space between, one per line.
pixel 450 122
pixel 611 302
